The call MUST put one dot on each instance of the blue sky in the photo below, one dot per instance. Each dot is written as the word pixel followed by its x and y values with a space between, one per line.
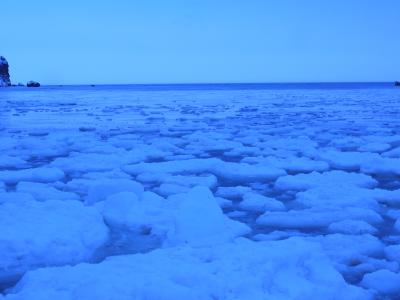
pixel 121 41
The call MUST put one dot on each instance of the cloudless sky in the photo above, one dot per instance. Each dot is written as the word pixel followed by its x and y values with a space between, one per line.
pixel 149 41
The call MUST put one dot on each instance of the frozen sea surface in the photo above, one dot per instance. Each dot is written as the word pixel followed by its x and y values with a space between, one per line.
pixel 254 191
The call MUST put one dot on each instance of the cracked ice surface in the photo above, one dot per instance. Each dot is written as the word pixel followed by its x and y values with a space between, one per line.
pixel 117 193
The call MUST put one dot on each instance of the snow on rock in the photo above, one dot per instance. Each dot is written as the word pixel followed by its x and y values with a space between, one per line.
pixel 198 220
pixel 314 179
pixel 100 189
pixel 291 269
pixel 43 175
pixel 259 203
pixel 35 234
pixel 383 281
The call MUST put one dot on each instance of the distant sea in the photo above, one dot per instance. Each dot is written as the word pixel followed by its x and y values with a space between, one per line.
pixel 228 86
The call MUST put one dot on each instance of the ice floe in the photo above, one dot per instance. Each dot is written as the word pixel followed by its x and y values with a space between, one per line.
pixel 239 270
pixel 256 194
pixel 38 234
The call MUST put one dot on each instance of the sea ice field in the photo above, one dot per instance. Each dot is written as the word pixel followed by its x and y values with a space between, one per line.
pixel 200 192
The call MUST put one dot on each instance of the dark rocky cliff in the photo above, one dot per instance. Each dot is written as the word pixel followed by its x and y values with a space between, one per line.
pixel 4 74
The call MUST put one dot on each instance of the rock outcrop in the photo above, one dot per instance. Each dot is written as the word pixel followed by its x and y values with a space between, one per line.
pixel 4 74
pixel 33 84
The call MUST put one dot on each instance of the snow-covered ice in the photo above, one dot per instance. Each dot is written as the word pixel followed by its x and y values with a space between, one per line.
pixel 240 270
pixel 125 193
pixel 37 234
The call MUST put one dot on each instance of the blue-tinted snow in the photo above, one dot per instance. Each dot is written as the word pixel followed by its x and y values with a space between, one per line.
pixel 200 192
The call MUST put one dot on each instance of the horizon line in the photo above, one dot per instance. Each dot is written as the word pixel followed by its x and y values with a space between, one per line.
pixel 222 83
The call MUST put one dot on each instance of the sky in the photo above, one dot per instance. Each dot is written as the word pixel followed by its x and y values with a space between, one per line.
pixel 208 41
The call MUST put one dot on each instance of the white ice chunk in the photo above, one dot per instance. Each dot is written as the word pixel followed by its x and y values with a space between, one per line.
pixel 232 192
pixel 209 181
pixel 42 174
pixel 241 172
pixel 394 153
pixel 314 179
pixel 277 235
pixel 384 166
pixel 337 196
pixel 89 162
pixel 198 220
pixel 349 161
pixel 224 170
pixel 347 142
pixel 242 270
pixel 259 203
pixel 387 197
pixel 290 163
pixel 7 161
pixel 190 166
pixel 44 192
pixel 383 281
pixel 392 252
pixel 314 218
pixel 224 203
pixel 352 227
pixel 374 147
pixel 99 190
pixel 303 144
pixel 35 234
pixel 242 151
pixel 167 189
pixel 348 249
pixel 13 197
pixel 397 225
pixel 126 210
